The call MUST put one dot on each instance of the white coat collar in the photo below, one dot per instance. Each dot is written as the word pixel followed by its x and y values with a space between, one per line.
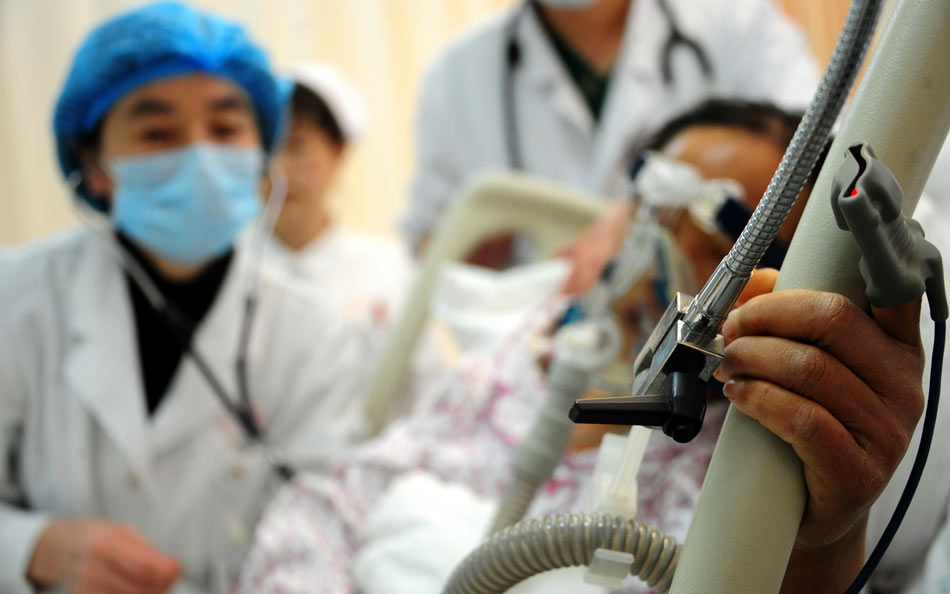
pixel 544 72
pixel 635 93
pixel 325 245
pixel 190 405
pixel 636 85
pixel 102 364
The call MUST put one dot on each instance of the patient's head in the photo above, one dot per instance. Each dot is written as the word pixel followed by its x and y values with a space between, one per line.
pixel 738 140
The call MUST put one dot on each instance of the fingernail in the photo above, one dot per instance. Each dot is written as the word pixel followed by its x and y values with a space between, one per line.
pixel 731 388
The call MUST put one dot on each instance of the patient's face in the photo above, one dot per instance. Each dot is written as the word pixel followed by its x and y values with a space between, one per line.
pixel 310 161
pixel 718 151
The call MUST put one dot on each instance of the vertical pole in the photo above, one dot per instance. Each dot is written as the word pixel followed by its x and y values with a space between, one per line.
pixel 754 495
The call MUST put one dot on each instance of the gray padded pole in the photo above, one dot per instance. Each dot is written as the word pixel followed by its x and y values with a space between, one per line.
pixel 753 498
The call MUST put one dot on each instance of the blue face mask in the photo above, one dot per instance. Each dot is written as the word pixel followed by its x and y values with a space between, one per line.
pixel 187 205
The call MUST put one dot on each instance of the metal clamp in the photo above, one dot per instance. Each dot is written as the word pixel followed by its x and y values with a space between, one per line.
pixel 669 384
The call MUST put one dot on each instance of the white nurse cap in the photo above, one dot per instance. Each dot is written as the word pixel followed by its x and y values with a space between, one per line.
pixel 344 101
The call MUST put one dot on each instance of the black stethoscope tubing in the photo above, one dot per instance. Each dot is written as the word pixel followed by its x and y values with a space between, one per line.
pixel 239 409
pixel 183 329
pixel 513 57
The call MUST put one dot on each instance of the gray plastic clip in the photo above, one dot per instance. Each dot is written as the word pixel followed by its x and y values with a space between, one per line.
pixel 897 263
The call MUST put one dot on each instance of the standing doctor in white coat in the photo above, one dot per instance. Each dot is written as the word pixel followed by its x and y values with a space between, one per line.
pixel 136 454
pixel 569 89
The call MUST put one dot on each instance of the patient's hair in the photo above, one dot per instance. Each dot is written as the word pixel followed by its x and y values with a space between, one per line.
pixel 763 118
pixel 307 104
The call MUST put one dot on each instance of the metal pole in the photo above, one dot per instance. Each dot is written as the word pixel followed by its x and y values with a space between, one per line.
pixel 754 495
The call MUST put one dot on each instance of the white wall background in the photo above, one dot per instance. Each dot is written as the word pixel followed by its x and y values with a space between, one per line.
pixel 383 45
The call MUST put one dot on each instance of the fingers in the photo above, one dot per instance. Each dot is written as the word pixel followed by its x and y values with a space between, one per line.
pixel 138 561
pixel 820 378
pixel 99 579
pixel 587 257
pixel 582 279
pixel 832 323
pixel 842 478
pixel 802 423
pixel 840 386
pixel 590 251
pixel 100 557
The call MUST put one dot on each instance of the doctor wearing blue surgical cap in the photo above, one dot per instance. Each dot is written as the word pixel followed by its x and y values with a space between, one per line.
pixel 153 387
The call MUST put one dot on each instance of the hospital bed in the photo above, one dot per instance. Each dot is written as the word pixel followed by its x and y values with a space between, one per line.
pixel 548 215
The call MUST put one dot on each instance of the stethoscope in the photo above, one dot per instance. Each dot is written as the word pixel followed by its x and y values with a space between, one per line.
pixel 513 59
pixel 183 329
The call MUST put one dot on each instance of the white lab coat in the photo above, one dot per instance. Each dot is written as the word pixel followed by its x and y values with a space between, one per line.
pixel 755 52
pixel 75 439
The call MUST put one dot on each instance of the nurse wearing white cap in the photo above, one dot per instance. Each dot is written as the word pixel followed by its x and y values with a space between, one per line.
pixel 364 275
pixel 362 272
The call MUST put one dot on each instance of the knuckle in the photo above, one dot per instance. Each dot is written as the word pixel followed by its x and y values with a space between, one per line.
pixel 893 440
pixel 914 406
pixel 860 483
pixel 806 424
pixel 762 392
pixel 906 399
pixel 835 311
pixel 732 357
pixel 874 479
pixel 100 544
pixel 807 364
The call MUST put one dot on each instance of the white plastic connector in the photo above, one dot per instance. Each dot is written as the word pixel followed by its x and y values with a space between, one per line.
pixel 615 474
pixel 615 493
pixel 608 568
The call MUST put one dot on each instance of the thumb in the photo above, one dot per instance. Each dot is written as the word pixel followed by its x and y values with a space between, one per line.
pixel 762 282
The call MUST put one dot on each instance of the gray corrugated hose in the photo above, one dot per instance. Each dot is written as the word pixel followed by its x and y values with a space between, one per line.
pixel 539 451
pixel 515 501
pixel 563 540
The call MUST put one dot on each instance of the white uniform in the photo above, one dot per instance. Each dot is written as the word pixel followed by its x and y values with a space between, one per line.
pixel 755 53
pixel 366 278
pixel 75 439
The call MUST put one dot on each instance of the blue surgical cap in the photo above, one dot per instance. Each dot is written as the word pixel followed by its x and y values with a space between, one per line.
pixel 156 41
